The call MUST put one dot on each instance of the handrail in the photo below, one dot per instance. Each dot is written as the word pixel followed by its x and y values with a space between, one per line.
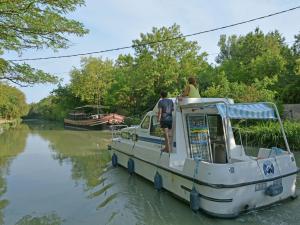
pixel 204 103
pixel 281 126
pixel 116 132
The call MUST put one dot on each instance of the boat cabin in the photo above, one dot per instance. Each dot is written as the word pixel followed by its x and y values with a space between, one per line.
pixel 202 129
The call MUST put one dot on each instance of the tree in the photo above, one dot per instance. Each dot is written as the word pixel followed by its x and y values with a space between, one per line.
pixel 240 92
pixel 257 56
pixel 253 56
pixel 290 84
pixel 296 45
pixel 56 106
pixel 155 66
pixel 92 82
pixel 34 24
pixel 12 102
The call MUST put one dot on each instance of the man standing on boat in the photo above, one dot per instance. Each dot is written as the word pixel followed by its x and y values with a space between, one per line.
pixel 165 109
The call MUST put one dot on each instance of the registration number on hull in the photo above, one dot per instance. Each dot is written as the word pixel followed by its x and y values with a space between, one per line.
pixel 263 186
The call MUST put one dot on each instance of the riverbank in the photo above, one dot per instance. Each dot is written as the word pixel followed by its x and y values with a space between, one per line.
pixel 6 124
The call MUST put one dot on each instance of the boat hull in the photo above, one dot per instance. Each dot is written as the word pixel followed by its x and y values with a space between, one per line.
pixel 220 200
pixel 104 122
pixel 79 126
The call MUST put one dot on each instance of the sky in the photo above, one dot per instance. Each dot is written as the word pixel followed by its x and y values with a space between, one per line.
pixel 116 23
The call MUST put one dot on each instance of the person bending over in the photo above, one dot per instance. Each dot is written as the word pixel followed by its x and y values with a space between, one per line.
pixel 165 109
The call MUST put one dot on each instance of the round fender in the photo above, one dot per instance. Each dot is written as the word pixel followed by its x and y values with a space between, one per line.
pixel 194 200
pixel 130 166
pixel 158 182
pixel 114 160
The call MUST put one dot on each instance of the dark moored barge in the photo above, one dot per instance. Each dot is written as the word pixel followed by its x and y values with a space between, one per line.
pixel 86 118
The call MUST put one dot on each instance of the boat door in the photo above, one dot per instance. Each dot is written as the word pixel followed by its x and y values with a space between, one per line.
pixel 198 137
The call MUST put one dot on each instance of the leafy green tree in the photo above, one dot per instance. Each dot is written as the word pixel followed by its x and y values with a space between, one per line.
pixel 257 56
pixel 92 82
pixel 253 56
pixel 56 106
pixel 254 67
pixel 241 92
pixel 291 85
pixel 12 102
pixel 34 24
pixel 155 66
pixel 296 45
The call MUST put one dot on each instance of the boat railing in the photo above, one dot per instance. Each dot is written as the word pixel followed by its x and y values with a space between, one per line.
pixel 116 130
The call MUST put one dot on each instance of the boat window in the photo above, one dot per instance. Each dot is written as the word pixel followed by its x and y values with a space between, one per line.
pixel 146 122
pixel 217 140
pixel 198 134
pixel 125 135
pixel 155 127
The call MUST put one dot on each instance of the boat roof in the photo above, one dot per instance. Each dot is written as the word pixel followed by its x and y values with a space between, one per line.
pixel 190 102
pixel 227 108
pixel 93 106
pixel 193 102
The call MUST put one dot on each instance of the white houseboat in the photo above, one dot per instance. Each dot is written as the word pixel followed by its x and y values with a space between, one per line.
pixel 207 166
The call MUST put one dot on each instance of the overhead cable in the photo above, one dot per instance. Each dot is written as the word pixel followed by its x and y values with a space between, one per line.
pixel 159 41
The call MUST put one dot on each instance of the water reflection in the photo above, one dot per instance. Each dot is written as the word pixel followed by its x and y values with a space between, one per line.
pixel 86 151
pixel 50 219
pixel 12 143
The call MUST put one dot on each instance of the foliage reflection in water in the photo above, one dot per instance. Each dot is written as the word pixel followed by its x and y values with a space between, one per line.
pixel 55 176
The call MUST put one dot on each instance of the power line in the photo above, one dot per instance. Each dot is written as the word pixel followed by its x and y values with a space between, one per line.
pixel 159 41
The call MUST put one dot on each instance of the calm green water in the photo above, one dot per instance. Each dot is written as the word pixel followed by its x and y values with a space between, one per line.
pixel 53 176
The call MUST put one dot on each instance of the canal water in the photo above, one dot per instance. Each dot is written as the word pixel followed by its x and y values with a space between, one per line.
pixel 52 176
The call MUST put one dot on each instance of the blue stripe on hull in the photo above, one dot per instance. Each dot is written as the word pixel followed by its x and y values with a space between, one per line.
pixel 153 140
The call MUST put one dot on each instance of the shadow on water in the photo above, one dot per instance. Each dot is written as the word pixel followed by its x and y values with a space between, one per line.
pixel 84 189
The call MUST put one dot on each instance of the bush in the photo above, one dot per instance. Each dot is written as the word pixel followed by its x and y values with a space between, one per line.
pixel 268 134
pixel 130 121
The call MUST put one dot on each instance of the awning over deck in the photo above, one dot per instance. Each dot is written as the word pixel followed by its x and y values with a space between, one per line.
pixel 247 111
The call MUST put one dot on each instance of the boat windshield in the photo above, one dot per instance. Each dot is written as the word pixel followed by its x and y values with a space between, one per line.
pixel 256 136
